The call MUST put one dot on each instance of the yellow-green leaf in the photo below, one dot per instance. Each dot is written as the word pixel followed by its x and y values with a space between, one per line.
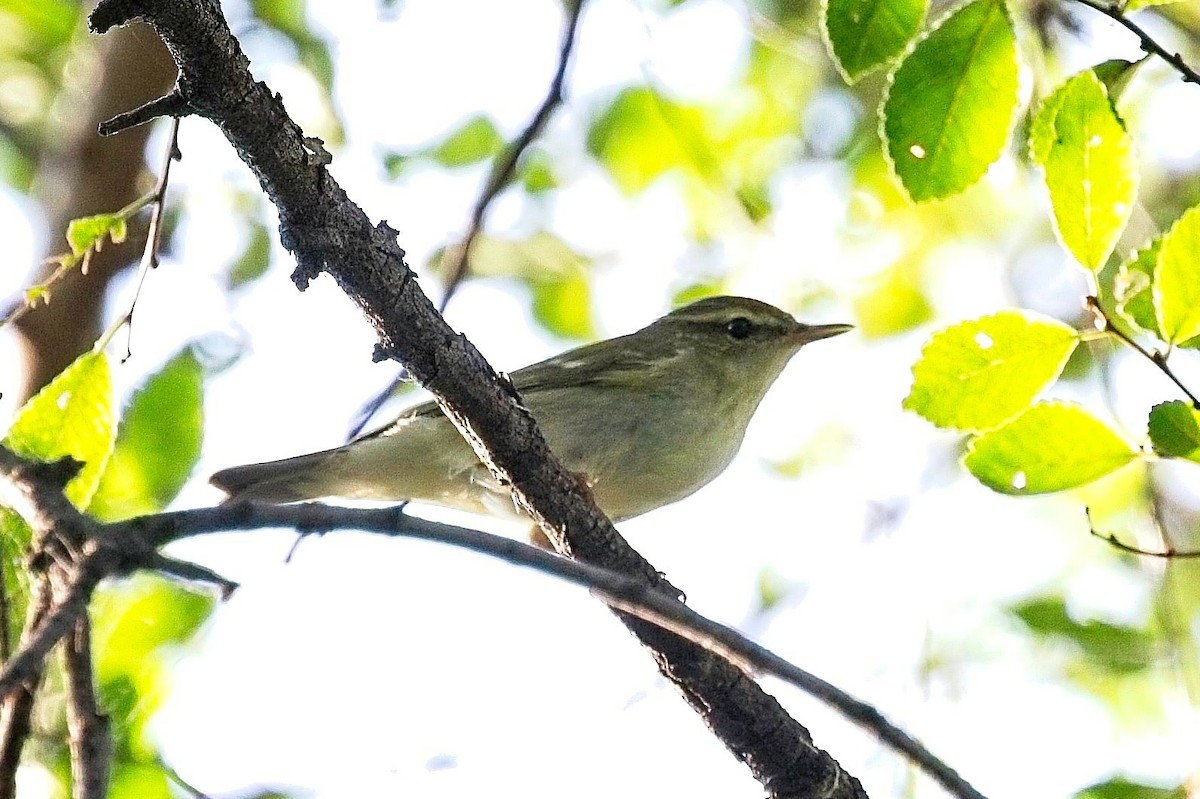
pixel 254 260
pixel 892 301
pixel 863 35
pixel 477 140
pixel 1053 446
pixel 1116 75
pixel 1133 288
pixel 642 135
pixel 1134 5
pixel 949 105
pixel 563 304
pixel 1177 280
pixel 89 231
pixel 15 537
pixel 71 417
pixel 981 373
pixel 157 444
pixel 1090 167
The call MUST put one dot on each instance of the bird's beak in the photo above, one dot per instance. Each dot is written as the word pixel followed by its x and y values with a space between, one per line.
pixel 805 334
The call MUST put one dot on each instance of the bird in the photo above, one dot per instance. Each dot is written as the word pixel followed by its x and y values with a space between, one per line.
pixel 647 418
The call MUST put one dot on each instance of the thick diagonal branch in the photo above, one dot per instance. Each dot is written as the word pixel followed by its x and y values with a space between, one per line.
pixel 327 232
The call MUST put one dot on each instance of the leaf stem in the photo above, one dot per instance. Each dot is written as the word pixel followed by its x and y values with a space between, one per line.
pixel 1106 325
pixel 154 233
pixel 1170 553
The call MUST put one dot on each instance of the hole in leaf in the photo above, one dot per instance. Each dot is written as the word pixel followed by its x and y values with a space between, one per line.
pixel 1019 481
pixel 917 151
pixel 984 340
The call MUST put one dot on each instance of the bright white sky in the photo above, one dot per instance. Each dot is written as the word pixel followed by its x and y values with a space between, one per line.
pixel 488 680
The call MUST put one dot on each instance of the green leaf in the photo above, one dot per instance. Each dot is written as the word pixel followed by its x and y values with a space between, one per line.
pixel 863 35
pixel 696 291
pixel 642 135
pixel 138 616
pixel 71 417
pixel 139 623
pixel 1116 74
pixel 1134 5
pixel 15 538
pixel 1175 430
pixel 254 260
pixel 892 301
pixel 755 199
pixel 395 164
pixel 1090 167
pixel 1121 788
pixel 1053 446
pixel 289 17
pixel 1177 280
pixel 979 374
pixel 139 781
pixel 556 274
pixel 536 173
pixel 1117 648
pixel 1132 288
pixel 157 445
pixel 563 305
pixel 949 105
pixel 477 140
pixel 89 231
pixel 772 589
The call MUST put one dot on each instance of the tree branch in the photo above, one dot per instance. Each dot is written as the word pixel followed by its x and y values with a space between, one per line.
pixel 1168 553
pixel 170 105
pixel 1107 325
pixel 27 663
pixel 76 551
pixel 90 742
pixel 619 591
pixel 1147 42
pixel 128 542
pixel 327 232
pixel 18 705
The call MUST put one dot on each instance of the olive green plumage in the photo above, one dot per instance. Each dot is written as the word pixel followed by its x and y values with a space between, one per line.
pixel 649 418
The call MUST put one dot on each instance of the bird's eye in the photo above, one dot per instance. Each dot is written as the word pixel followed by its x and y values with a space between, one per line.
pixel 739 328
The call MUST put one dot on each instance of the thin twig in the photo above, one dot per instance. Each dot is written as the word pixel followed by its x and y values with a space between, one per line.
pixel 90 740
pixel 1148 44
pixel 619 591
pixel 192 572
pixel 1154 356
pixel 172 105
pixel 502 171
pixel 186 786
pixel 154 232
pixel 18 706
pixel 1170 553
pixel 70 264
pixel 506 164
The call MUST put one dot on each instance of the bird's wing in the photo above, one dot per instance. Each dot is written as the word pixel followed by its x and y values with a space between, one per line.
pixel 611 362
pixel 618 361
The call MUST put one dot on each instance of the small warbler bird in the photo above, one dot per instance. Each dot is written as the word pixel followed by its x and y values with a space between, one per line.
pixel 648 418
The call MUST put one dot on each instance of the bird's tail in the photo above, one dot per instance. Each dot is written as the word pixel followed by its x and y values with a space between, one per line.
pixel 288 480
